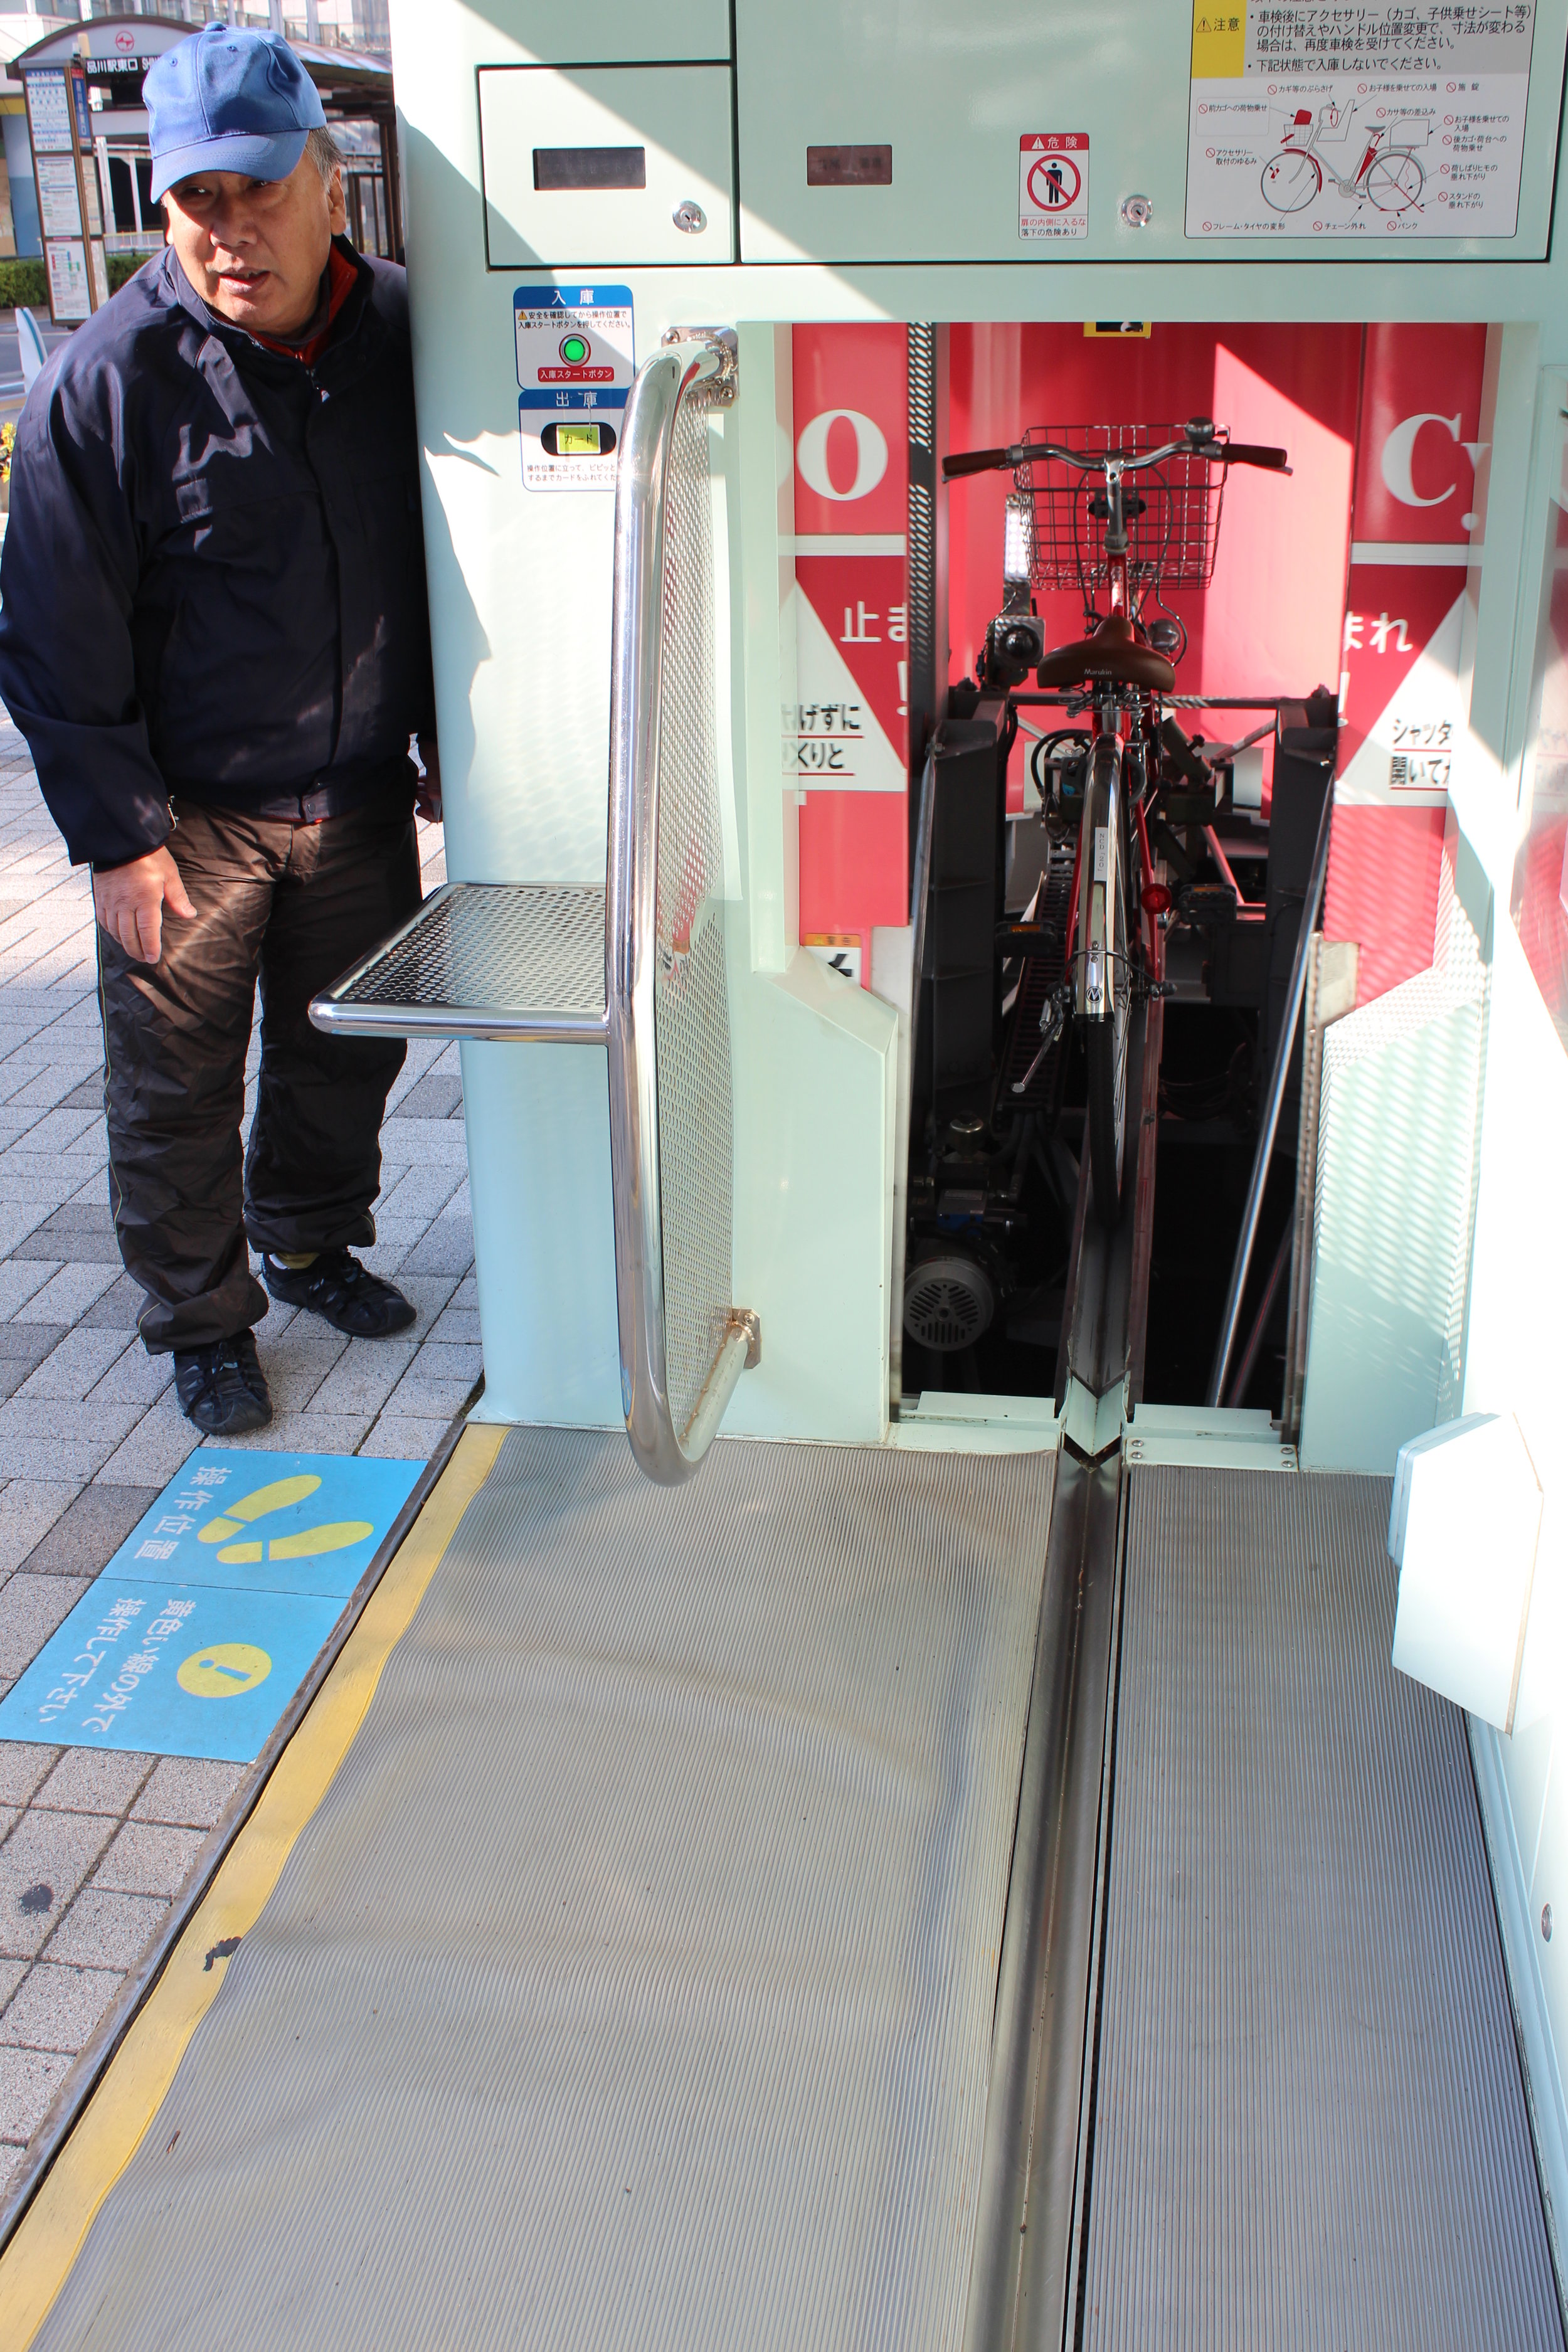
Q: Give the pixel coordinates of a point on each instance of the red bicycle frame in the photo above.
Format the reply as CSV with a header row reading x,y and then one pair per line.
x,y
1116,586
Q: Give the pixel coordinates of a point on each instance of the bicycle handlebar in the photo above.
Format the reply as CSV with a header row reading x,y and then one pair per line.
x,y
999,461
979,461
1245,453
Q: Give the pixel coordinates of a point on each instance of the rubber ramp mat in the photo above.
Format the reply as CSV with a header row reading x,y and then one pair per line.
x,y
1309,2130
631,1985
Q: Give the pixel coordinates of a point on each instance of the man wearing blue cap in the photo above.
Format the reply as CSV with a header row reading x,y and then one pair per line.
x,y
215,639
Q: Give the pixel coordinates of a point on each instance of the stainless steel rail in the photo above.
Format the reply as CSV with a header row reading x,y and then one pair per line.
x,y
1033,2175
1276,1096
668,1433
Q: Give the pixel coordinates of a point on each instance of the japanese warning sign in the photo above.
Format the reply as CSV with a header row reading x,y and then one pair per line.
x,y
1401,693
1377,121
851,615
852,662
1053,184
574,368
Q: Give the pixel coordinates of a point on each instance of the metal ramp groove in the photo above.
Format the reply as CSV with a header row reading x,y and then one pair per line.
x,y
1310,2129
632,1983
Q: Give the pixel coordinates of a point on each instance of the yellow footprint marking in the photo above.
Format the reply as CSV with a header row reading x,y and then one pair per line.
x,y
309,1543
274,1497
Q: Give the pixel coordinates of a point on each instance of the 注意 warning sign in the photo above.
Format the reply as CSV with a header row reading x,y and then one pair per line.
x,y
1371,121
1053,184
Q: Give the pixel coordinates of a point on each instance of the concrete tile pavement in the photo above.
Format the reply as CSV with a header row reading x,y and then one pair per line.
x,y
94,1846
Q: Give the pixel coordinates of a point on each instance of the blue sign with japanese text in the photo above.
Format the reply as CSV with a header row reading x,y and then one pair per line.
x,y
207,1619
575,362
282,1522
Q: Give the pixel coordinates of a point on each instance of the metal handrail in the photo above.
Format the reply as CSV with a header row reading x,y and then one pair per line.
x,y
667,1454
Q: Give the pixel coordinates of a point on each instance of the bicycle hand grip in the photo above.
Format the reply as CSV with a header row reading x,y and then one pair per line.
x,y
977,461
1243,453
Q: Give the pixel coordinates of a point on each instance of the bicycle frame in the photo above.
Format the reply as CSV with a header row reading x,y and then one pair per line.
x,y
1118,677
1350,185
1122,709
1093,993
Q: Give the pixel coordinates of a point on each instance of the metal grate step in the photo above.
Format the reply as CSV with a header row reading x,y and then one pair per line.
x,y
506,960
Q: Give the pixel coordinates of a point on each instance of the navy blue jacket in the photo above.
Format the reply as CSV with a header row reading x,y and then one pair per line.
x,y
213,573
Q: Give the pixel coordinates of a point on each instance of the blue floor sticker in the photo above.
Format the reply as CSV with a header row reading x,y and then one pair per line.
x,y
172,1670
210,1615
282,1522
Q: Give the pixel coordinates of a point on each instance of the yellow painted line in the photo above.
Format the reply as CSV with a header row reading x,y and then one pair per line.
x,y
36,2262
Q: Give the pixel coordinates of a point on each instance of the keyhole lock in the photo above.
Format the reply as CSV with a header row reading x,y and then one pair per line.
x,y
1137,211
690,217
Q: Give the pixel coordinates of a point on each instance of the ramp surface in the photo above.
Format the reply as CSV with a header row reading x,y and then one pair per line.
x,y
1309,2128
631,1985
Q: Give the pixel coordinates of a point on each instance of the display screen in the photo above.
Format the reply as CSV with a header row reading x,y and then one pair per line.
x,y
576,440
848,167
590,167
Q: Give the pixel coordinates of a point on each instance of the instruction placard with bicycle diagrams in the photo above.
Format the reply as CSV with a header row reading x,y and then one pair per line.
x,y
1395,118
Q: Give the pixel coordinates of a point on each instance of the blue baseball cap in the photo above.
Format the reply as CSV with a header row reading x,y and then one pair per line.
x,y
228,101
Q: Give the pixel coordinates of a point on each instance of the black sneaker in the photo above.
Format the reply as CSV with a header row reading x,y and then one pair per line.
x,y
223,1388
337,1287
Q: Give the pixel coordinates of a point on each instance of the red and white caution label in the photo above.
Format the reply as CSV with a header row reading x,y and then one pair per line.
x,y
1053,184
852,649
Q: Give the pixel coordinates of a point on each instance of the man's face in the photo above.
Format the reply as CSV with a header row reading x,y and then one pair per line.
x,y
255,249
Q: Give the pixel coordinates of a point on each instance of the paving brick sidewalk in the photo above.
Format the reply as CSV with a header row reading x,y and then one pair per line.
x,y
94,1846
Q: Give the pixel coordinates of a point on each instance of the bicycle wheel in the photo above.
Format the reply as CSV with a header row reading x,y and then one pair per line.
x,y
1291,183
1394,182
1108,933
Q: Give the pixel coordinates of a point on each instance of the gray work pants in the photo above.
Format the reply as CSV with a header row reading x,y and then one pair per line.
x,y
290,906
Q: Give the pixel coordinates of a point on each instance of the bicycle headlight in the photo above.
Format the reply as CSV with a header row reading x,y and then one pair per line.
x,y
1019,540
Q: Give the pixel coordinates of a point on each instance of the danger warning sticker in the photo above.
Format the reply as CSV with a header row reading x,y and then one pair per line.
x,y
1053,184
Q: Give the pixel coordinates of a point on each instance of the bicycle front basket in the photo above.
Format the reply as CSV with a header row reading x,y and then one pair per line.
x,y
1171,541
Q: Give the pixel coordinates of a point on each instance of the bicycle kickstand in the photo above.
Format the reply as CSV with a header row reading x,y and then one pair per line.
x,y
1053,1020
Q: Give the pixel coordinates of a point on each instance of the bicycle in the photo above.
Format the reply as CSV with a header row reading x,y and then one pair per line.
x,y
1117,675
1393,177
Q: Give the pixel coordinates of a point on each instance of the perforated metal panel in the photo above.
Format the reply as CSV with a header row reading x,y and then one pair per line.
x,y
692,1011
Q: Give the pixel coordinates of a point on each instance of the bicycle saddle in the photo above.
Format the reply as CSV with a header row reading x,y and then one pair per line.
x,y
1114,655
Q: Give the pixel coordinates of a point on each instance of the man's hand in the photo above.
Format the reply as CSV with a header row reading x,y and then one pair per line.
x,y
130,901
427,790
